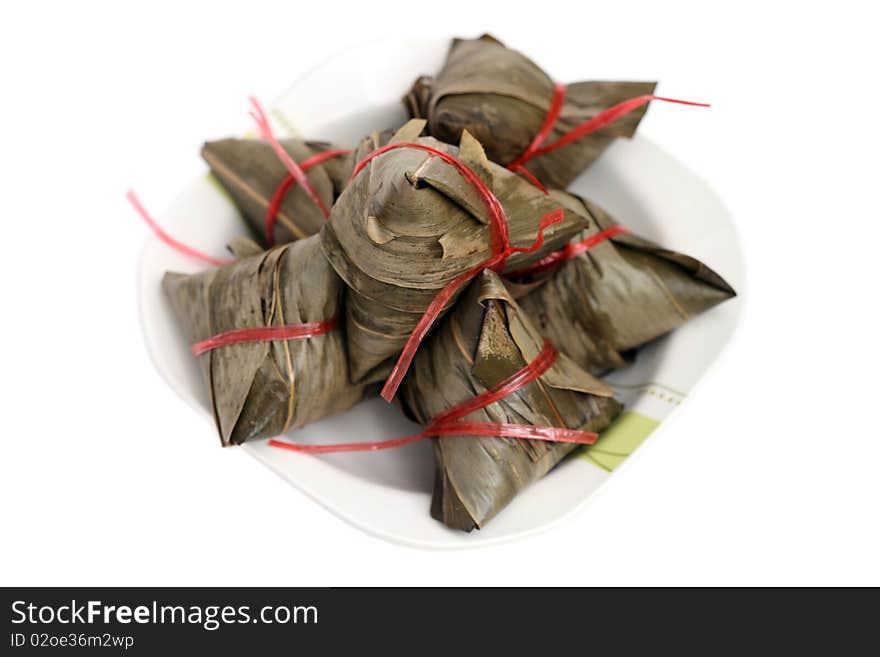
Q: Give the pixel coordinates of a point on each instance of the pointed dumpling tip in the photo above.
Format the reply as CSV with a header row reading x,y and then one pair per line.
x,y
409,131
471,152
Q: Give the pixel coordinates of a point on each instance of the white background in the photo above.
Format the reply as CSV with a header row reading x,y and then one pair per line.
x,y
768,475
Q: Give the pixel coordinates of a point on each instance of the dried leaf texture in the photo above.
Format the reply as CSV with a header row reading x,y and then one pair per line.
x,y
622,293
251,172
409,224
482,341
501,97
263,389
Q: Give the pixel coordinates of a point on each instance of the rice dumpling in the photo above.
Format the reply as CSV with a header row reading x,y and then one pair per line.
x,y
483,340
252,173
263,388
503,98
409,224
619,294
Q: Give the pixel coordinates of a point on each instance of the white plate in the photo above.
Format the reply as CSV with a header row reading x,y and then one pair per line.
x,y
388,493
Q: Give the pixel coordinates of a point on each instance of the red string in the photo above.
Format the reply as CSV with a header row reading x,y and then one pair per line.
x,y
447,424
525,173
258,114
501,250
570,251
288,182
573,250
542,362
546,128
165,237
599,121
491,429
497,217
347,447
518,431
265,334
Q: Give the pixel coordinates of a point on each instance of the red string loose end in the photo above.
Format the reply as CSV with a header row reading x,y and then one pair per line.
x,y
264,128
602,119
178,246
607,116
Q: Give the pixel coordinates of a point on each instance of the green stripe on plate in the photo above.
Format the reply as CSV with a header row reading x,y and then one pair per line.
x,y
619,440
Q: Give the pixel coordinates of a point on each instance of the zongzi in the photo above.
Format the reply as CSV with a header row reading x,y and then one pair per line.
x,y
411,223
260,386
621,292
485,339
504,99
277,209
